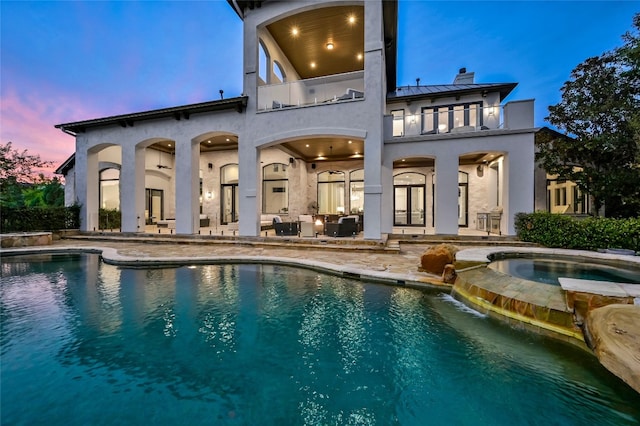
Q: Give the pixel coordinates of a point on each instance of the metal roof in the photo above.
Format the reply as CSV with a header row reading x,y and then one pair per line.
x,y
441,90
178,113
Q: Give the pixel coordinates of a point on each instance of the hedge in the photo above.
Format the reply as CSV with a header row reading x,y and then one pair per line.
x,y
556,230
27,219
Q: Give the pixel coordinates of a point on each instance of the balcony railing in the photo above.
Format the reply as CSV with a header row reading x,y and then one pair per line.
x,y
473,119
312,91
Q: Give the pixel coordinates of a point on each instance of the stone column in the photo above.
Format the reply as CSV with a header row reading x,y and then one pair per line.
x,y
446,194
187,187
132,184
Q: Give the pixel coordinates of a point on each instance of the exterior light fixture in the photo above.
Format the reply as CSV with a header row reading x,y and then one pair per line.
x,y
209,195
330,45
307,145
294,31
352,19
359,56
313,64
350,141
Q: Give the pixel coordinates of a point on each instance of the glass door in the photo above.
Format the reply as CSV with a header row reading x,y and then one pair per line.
x,y
154,210
417,201
409,203
230,204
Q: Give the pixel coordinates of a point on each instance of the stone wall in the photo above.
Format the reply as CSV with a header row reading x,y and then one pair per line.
x,y
26,239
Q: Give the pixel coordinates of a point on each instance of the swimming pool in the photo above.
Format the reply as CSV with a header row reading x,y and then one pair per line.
x,y
88,343
547,271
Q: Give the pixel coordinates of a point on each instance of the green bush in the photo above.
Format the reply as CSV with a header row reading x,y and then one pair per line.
x,y
110,219
555,230
27,219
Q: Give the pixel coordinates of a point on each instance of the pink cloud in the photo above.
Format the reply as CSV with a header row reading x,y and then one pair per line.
x,y
28,119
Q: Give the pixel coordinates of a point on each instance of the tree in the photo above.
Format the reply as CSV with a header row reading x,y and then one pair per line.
x,y
599,110
20,184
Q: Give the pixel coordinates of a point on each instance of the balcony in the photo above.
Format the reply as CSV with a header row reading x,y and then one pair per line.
x,y
460,119
313,91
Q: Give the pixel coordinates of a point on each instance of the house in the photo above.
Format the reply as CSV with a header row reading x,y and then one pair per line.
x,y
321,123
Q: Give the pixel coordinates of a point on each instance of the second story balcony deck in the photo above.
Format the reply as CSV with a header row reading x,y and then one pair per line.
x,y
460,119
313,91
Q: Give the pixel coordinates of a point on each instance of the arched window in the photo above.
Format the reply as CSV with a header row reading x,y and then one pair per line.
x,y
278,72
356,191
263,63
331,192
110,189
275,188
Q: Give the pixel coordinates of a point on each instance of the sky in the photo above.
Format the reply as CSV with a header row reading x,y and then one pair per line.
x,y
66,61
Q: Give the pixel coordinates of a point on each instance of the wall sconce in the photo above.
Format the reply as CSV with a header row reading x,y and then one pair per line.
x,y
412,119
209,195
210,165
491,112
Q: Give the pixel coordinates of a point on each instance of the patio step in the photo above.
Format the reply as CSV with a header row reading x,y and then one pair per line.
x,y
461,240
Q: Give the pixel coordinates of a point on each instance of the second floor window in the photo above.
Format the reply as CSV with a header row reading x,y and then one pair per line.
x,y
446,118
398,122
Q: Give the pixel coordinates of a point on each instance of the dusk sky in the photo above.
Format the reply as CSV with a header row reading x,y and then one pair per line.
x,y
75,60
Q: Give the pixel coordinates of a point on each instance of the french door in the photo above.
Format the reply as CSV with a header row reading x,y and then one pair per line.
x,y
409,205
230,204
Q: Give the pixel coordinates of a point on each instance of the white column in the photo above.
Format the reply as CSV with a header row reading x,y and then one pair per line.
x,y
446,194
87,186
132,175
249,225
387,198
187,187
518,187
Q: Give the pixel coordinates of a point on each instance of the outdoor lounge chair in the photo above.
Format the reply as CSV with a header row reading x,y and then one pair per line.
x,y
345,227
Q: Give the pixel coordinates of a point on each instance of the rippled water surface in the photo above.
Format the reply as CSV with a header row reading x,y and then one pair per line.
x,y
547,271
88,343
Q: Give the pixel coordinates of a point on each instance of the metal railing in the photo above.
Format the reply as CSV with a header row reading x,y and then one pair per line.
x,y
312,91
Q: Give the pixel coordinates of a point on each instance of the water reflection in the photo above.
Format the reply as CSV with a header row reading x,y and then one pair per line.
x,y
258,344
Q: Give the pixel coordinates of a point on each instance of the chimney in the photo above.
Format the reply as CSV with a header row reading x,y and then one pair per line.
x,y
463,77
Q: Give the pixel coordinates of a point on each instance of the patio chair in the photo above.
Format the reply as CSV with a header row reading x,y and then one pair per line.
x,y
345,227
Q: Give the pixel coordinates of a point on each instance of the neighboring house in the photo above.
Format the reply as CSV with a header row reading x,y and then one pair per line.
x,y
321,123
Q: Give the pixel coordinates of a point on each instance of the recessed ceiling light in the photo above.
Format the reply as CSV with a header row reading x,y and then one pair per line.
x,y
352,19
350,141
330,45
359,56
169,145
208,141
227,139
403,159
307,145
294,31
313,64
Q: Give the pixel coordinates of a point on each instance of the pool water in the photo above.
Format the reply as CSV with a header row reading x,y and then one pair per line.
x,y
88,343
548,271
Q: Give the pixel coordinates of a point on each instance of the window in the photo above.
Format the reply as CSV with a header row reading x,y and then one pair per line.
x,y
275,188
442,119
263,63
229,197
398,122
331,192
356,191
110,189
278,72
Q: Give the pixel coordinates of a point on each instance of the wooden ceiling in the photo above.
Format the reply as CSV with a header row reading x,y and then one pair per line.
x,y
341,25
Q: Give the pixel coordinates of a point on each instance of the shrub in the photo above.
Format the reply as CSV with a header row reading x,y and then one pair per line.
x,y
555,230
25,219
110,219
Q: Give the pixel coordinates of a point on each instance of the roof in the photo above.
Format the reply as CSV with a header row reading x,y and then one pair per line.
x,y
68,164
441,90
178,113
